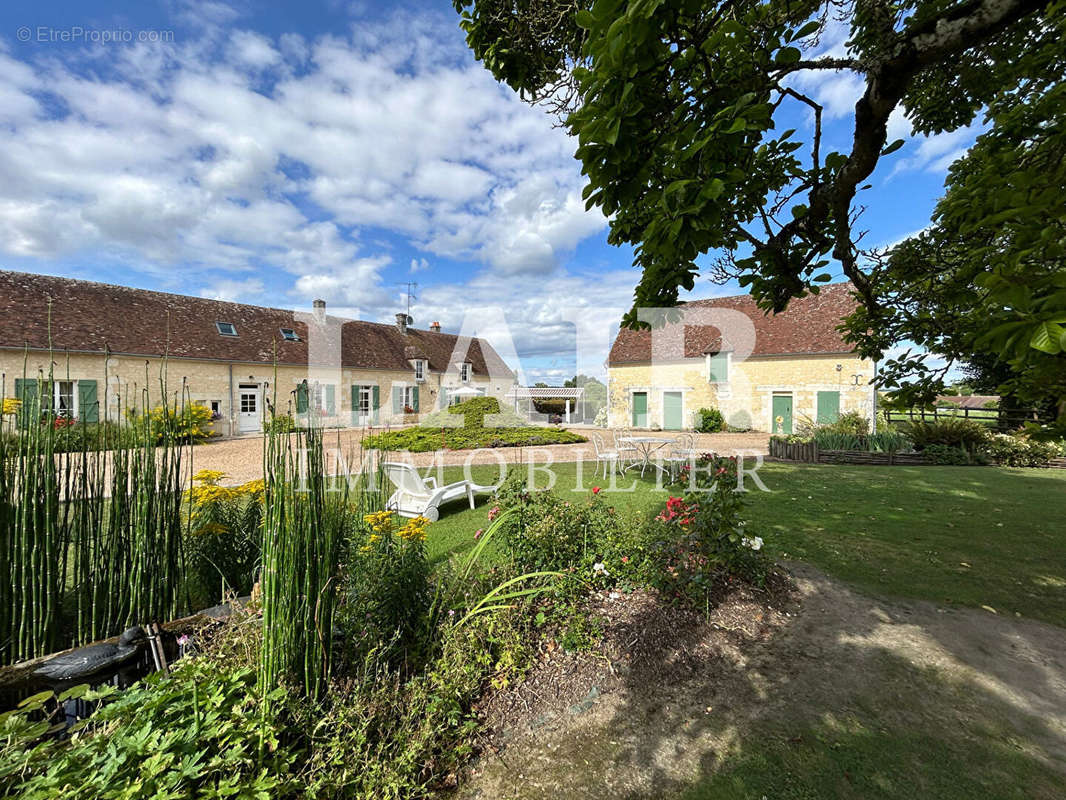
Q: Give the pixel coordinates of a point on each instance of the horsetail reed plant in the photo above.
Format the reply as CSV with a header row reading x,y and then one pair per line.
x,y
303,529
90,539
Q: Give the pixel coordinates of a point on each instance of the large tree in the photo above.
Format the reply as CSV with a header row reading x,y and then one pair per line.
x,y
985,284
678,107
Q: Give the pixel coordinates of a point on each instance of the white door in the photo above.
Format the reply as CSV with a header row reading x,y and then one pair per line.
x,y
249,413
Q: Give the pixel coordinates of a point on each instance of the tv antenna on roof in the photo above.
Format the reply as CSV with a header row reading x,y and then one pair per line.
x,y
411,285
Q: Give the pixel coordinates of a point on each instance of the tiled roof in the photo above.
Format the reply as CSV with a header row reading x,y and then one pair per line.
x,y
807,327
967,400
94,317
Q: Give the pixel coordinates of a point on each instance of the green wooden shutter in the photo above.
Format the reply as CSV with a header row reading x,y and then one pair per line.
x,y
443,398
26,391
719,369
375,403
828,407
414,399
301,397
397,400
331,399
355,405
88,403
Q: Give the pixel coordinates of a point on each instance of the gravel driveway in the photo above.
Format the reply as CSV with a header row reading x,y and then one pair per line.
x,y
242,458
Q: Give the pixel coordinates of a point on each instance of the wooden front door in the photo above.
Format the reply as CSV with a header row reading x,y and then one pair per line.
x,y
782,413
672,413
640,409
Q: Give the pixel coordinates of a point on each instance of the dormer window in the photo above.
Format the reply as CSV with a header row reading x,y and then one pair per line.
x,y
289,335
226,328
464,371
420,369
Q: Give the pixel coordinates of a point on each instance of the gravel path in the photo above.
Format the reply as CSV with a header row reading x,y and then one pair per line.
x,y
242,458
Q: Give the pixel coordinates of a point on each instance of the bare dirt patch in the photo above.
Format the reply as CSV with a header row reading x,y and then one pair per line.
x,y
669,696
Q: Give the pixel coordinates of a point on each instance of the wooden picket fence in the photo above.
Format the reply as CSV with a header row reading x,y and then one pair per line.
x,y
809,453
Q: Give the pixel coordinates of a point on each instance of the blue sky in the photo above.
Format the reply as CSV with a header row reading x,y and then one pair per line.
x,y
280,152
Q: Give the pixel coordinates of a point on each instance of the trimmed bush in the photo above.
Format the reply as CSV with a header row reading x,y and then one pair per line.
x,y
424,440
709,420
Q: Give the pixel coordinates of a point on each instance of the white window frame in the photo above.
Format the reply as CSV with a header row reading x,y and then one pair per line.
x,y
464,372
289,334
407,399
218,327
73,398
420,369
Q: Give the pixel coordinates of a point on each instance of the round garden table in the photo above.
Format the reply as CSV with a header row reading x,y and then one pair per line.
x,y
646,447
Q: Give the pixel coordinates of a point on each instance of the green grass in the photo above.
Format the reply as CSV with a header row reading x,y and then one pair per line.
x,y
968,536
913,733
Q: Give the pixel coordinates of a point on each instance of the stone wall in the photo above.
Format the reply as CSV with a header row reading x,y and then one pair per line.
x,y
136,381
746,401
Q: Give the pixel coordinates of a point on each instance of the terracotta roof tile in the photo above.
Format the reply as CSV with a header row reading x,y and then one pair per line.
x,y
807,327
94,317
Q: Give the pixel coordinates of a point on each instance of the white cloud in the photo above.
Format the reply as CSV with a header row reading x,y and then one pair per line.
x,y
245,291
419,265
177,154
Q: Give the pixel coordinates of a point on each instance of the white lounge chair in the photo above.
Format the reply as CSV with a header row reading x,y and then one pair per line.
x,y
416,496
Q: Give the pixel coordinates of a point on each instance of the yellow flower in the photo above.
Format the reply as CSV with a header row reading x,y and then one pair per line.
x,y
380,521
414,530
211,528
209,476
257,486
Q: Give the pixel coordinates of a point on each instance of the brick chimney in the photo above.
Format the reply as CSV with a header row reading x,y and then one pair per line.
x,y
401,322
435,327
319,307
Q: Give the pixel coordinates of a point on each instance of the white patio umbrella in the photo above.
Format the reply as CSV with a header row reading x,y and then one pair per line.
x,y
466,391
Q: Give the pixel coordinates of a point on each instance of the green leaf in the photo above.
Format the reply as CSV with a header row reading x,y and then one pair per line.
x,y
612,134
74,692
584,19
714,189
1047,338
738,125
892,148
788,55
36,699
807,29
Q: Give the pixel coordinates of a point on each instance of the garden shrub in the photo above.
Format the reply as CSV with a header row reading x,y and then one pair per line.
x,y
387,592
851,423
279,423
1019,451
948,455
709,420
585,537
600,420
189,423
700,537
474,410
955,432
423,439
223,542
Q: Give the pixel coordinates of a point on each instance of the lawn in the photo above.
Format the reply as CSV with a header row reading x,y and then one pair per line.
x,y
966,536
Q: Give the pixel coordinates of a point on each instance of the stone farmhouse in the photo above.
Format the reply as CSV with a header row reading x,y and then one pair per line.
x,y
113,347
763,372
